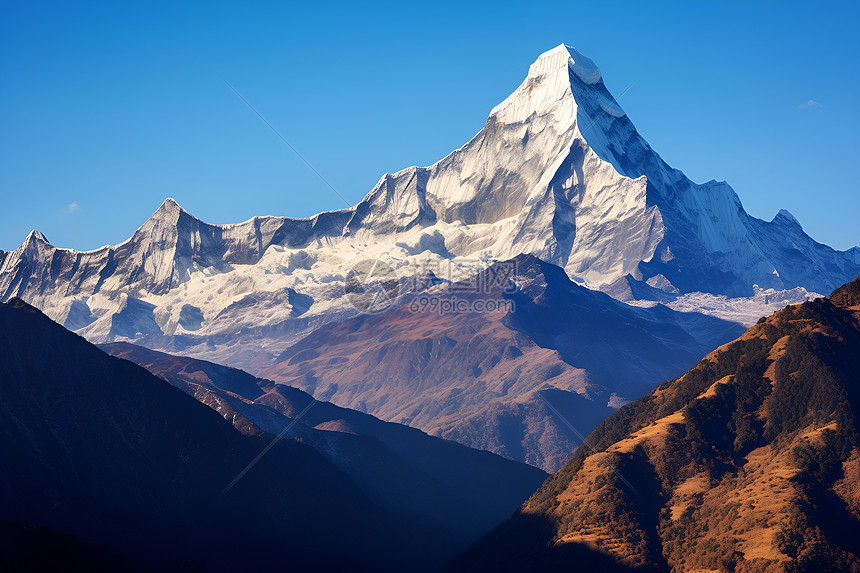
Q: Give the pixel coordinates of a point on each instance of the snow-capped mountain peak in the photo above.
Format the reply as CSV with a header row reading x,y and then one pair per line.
x,y
786,215
563,55
547,87
36,237
169,207
168,213
558,171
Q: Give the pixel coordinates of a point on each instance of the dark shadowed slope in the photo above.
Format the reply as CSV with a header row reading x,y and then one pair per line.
x,y
38,549
749,462
98,448
491,380
461,491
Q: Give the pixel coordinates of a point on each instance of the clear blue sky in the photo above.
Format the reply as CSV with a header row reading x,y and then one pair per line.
x,y
108,108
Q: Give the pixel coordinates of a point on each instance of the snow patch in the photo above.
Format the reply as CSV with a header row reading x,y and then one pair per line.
x,y
660,282
610,106
783,213
584,68
744,310
596,202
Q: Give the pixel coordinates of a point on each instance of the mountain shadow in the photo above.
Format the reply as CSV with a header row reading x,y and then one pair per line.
x,y
463,492
748,462
98,449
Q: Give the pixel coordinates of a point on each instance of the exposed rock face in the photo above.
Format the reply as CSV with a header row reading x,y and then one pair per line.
x,y
526,381
749,462
558,171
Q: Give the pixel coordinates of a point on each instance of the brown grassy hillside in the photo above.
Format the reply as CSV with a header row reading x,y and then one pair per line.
x,y
749,462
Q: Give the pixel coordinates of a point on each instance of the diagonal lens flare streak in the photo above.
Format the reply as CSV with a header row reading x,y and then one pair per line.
x,y
293,422
265,450
583,440
614,100
296,151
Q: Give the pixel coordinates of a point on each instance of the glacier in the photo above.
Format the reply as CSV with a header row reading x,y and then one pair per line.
x,y
558,171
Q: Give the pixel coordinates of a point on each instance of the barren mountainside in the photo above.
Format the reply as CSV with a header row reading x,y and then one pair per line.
x,y
748,462
500,380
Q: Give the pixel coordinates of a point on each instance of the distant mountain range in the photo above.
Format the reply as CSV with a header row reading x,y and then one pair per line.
x,y
528,381
558,171
102,452
748,462
529,289
400,468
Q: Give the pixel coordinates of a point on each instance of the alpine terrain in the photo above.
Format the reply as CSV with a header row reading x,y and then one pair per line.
x,y
382,387
400,468
558,171
115,468
527,381
748,462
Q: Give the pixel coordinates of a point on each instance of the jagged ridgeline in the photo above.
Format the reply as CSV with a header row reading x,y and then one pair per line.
x,y
526,383
558,171
749,462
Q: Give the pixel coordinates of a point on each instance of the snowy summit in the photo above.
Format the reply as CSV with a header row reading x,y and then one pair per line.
x,y
558,171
